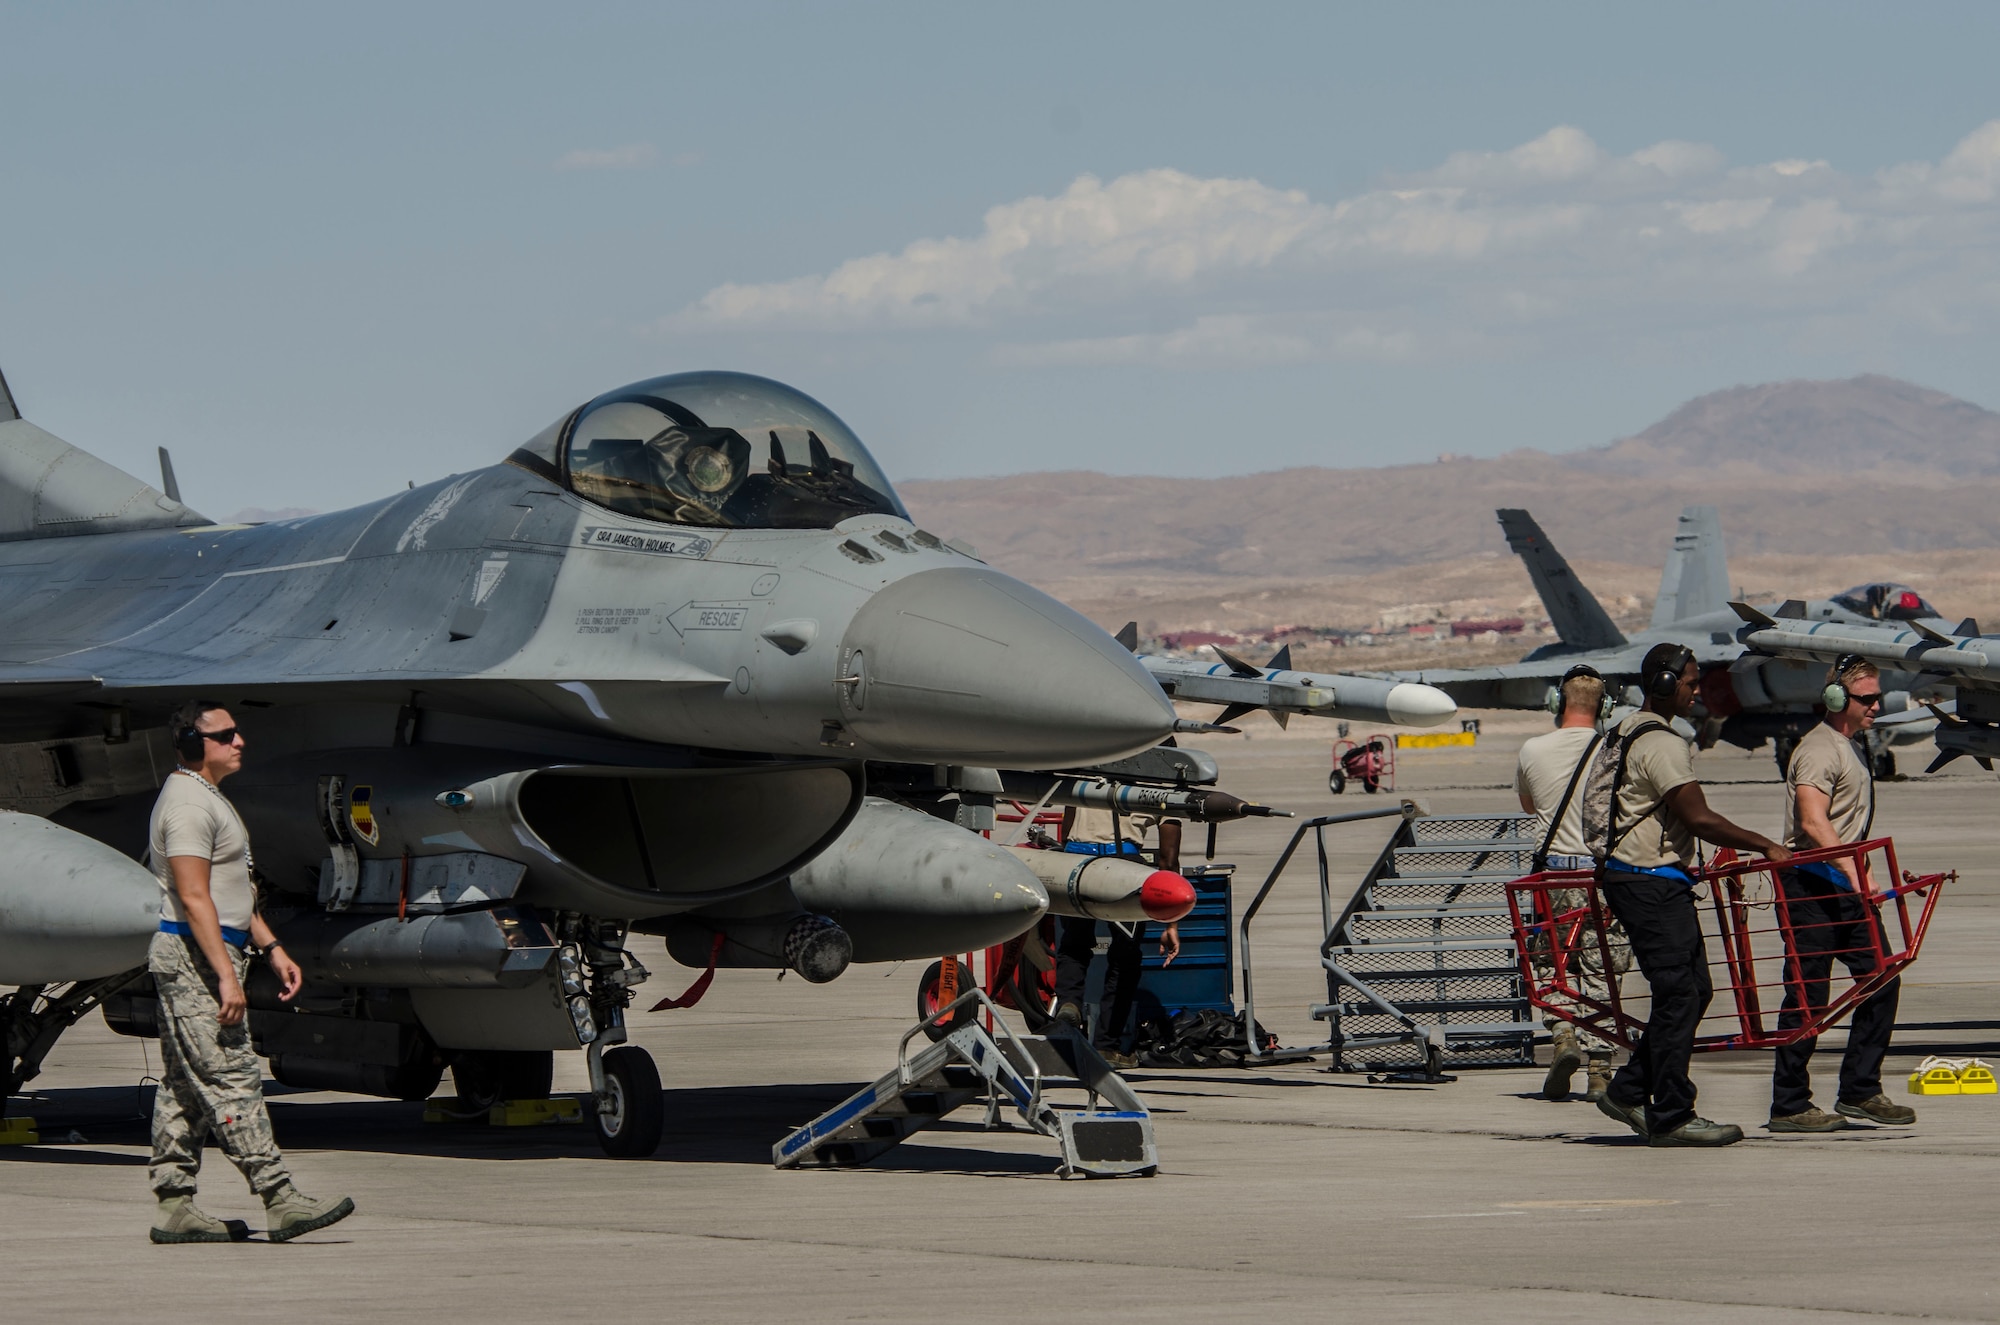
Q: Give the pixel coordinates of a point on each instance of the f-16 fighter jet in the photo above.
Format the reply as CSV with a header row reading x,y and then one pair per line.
x,y
1744,702
627,681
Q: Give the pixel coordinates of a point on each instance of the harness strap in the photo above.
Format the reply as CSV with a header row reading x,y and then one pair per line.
x,y
1540,860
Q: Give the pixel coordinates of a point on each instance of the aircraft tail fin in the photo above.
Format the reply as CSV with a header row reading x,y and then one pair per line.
x,y
1695,580
49,488
1580,620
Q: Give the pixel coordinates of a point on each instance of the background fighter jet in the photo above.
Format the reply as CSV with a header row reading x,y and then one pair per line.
x,y
629,680
1962,658
1744,701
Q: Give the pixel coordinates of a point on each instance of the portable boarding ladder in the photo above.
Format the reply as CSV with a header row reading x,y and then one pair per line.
x,y
971,1063
1420,963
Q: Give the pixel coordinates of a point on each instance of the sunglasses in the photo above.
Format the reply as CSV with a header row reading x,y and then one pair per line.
x,y
228,735
1866,701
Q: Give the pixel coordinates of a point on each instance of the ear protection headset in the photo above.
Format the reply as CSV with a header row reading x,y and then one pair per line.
x,y
1835,694
1557,702
188,743
1662,682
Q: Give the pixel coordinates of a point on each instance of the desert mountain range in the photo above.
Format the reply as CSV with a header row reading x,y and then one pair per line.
x,y
1821,484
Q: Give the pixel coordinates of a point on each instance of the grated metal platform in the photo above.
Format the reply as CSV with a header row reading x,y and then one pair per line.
x,y
1421,966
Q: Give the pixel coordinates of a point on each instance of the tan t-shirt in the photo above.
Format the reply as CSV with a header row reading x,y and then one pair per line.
x,y
1547,764
1657,763
1827,760
193,818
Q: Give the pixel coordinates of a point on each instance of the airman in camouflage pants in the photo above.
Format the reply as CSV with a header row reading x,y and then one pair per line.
x,y
211,1082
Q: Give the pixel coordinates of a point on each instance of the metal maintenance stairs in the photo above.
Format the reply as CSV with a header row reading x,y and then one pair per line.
x,y
1421,966
970,1064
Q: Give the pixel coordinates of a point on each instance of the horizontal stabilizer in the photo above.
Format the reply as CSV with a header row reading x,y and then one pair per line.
x,y
1580,620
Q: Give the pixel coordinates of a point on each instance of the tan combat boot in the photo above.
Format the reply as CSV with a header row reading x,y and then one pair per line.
x,y
1564,1060
292,1213
1600,1076
179,1220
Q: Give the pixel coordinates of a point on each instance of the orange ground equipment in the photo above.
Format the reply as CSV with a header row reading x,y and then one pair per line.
x,y
1751,934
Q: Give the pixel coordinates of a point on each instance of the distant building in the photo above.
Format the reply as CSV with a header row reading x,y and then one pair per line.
x,y
1512,625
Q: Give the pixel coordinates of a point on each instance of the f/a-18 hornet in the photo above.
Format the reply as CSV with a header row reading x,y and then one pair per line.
x,y
1745,699
630,680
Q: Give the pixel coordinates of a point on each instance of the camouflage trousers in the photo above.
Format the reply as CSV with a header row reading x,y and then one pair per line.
x,y
210,1081
1584,967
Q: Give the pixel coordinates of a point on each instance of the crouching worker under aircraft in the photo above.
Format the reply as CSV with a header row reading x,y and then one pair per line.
x,y
210,1081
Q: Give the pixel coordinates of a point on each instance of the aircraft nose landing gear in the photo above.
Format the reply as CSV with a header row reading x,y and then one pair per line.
x,y
625,1093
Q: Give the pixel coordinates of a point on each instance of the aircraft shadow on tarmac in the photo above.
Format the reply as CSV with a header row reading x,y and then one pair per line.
x,y
708,1125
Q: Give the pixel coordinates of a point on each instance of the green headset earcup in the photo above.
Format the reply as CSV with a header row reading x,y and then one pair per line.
x,y
1834,697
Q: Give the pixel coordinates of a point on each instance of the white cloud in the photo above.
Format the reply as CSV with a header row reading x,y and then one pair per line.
x,y
632,156
1556,233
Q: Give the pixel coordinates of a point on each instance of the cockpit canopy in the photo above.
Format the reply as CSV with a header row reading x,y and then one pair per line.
x,y
715,449
1886,602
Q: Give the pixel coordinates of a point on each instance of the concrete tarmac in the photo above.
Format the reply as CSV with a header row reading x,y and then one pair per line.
x,y
1290,1189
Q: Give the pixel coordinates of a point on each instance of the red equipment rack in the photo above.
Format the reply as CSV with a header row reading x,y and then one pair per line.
x,y
1754,970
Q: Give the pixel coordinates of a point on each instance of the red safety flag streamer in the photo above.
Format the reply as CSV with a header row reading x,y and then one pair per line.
x,y
700,985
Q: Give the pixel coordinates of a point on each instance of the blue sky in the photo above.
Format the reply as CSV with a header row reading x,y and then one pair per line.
x,y
320,253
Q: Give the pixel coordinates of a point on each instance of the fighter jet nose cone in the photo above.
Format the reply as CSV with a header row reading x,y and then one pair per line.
x,y
967,665
1166,896
1412,705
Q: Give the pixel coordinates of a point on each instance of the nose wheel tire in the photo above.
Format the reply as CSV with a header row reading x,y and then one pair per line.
x,y
630,1121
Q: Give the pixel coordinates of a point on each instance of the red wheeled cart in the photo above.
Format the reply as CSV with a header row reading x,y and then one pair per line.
x,y
1370,761
1558,915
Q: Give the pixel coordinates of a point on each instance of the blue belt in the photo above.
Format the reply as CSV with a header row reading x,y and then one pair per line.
x,y
235,938
1673,873
1828,873
1102,848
